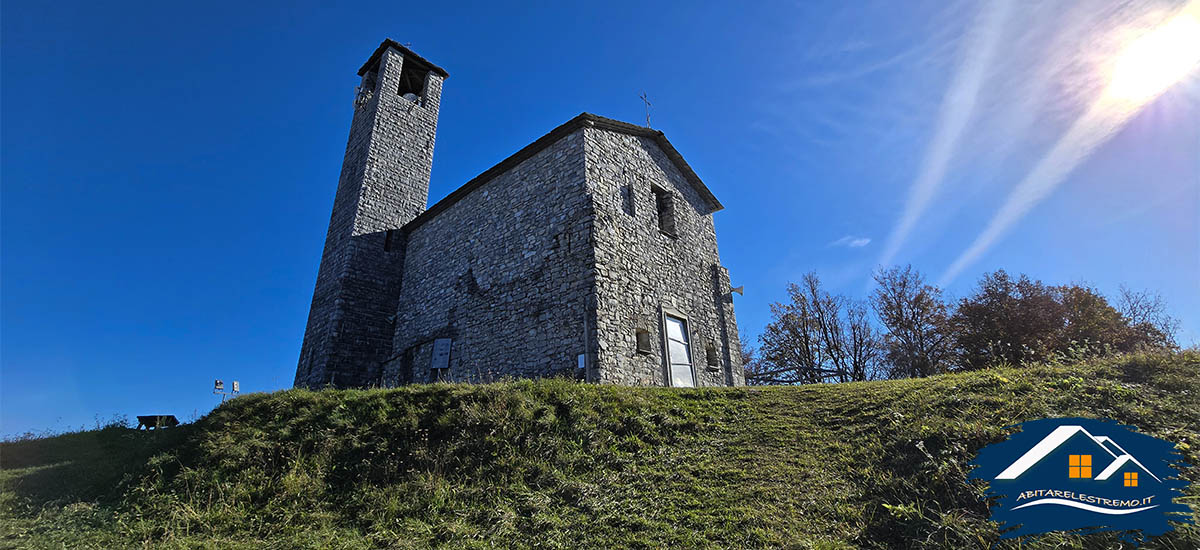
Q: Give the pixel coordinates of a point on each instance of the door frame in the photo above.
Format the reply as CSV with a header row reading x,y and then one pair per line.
x,y
664,312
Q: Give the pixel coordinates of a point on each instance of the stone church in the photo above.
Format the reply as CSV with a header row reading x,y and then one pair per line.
x,y
589,253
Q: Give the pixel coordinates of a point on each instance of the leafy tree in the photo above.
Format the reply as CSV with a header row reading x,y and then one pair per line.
x,y
919,338
1021,320
1007,320
1090,324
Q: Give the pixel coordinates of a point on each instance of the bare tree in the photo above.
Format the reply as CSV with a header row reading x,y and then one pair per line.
x,y
751,364
816,337
865,344
749,353
920,337
790,344
1146,312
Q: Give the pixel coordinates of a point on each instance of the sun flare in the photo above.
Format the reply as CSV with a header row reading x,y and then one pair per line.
x,y
1156,60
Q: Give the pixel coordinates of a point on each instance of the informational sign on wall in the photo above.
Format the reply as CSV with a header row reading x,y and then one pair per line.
x,y
441,353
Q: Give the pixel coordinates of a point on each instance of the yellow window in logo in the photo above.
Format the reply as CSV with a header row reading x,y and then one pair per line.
x,y
1131,479
1080,467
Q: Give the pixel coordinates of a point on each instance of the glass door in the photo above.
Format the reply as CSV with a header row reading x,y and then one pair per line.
x,y
679,354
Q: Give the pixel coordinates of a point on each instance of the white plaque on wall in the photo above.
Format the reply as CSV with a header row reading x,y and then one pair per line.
x,y
441,353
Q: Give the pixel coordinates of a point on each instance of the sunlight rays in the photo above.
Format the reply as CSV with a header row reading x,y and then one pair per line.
x,y
1154,62
1145,69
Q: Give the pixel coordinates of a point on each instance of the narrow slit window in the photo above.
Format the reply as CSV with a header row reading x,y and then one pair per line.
x,y
665,209
627,200
388,239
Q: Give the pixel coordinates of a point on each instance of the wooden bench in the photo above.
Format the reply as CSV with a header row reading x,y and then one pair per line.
x,y
157,421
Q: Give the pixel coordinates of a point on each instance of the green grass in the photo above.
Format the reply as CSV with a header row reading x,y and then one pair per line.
x,y
554,464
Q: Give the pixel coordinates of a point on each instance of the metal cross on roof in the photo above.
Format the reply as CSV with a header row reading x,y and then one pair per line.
x,y
646,100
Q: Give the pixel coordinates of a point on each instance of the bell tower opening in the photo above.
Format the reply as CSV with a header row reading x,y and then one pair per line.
x,y
412,81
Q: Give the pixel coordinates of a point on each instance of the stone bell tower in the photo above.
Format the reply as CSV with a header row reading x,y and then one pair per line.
x,y
384,184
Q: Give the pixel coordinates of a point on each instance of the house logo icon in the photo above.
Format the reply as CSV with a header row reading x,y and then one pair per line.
x,y
1084,475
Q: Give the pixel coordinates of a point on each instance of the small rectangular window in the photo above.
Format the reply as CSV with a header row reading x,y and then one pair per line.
x,y
665,209
1131,479
710,356
643,341
387,240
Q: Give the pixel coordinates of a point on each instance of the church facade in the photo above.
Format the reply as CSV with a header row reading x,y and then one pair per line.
x,y
590,253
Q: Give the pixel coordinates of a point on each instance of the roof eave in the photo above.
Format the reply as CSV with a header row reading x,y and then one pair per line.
x,y
407,53
563,130
664,144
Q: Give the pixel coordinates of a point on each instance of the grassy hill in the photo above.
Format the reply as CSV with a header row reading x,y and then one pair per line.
x,y
555,464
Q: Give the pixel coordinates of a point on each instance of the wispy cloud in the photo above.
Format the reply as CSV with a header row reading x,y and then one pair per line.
x,y
828,78
850,241
957,106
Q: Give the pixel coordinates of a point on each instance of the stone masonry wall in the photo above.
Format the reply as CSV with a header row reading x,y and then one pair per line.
x,y
505,272
383,185
642,272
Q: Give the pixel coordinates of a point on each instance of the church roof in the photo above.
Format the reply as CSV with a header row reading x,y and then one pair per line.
x,y
584,119
407,53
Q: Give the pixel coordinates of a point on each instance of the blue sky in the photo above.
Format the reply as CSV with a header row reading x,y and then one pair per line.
x,y
168,169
